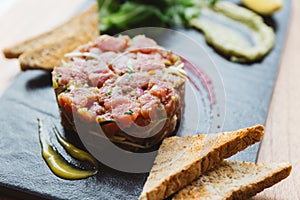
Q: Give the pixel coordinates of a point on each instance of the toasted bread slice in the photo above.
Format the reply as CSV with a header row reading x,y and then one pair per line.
x,y
46,50
182,160
234,180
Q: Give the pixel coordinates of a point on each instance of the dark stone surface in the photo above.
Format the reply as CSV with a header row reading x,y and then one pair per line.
x,y
248,90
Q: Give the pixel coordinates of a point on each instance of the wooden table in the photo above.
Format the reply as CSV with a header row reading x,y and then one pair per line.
x,y
21,19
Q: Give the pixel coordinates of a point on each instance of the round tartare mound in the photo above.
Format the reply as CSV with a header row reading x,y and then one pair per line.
x,y
131,89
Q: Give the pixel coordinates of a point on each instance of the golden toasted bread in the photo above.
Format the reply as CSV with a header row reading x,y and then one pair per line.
x,y
234,180
46,50
182,160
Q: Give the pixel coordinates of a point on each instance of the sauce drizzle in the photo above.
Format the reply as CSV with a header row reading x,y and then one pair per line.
x,y
74,151
57,164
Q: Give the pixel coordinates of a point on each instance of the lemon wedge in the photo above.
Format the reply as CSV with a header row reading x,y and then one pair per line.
x,y
264,7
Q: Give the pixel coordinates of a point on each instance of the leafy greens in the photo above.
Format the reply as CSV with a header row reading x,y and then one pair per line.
x,y
118,15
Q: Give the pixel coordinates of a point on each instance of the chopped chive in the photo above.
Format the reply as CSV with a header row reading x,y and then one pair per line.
x,y
109,92
129,70
129,67
129,112
67,90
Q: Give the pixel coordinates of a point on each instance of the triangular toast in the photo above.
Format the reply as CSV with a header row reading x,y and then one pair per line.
x,y
48,49
182,160
234,180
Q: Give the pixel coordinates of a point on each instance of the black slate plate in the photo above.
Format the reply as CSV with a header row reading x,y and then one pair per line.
x,y
248,91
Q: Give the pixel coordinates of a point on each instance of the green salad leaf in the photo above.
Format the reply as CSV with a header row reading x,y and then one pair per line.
x,y
120,15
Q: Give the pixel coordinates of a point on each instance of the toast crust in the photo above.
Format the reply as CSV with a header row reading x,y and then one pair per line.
x,y
47,50
182,160
251,190
234,180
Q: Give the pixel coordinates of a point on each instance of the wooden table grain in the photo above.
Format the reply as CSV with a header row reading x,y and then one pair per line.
x,y
282,139
26,18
